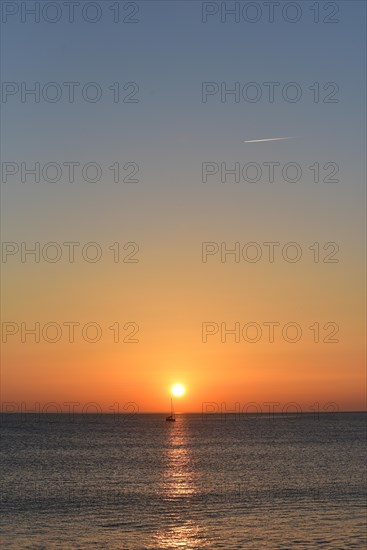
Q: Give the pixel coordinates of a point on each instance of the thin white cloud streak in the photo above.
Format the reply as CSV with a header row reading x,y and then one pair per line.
x,y
267,139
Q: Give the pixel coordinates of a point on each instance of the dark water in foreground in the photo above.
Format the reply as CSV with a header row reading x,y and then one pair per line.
x,y
143,483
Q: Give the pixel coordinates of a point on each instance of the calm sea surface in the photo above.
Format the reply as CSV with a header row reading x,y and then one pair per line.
x,y
143,483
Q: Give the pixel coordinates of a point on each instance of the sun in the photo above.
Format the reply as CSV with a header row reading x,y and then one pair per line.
x,y
177,390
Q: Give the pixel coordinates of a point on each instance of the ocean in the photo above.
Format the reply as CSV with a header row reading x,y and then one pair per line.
x,y
138,482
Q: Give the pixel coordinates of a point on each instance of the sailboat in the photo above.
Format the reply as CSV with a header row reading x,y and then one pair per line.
x,y
171,417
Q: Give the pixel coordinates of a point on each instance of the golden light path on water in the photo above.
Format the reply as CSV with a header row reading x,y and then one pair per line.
x,y
179,483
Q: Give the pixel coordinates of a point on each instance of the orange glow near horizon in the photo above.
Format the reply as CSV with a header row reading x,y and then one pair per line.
x,y
171,348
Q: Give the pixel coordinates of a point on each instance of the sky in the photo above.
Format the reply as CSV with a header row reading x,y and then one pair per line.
x,y
164,118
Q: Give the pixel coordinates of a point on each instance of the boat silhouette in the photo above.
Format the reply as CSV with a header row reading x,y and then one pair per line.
x,y
172,416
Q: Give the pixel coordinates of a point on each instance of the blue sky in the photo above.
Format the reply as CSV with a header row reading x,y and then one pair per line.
x,y
170,132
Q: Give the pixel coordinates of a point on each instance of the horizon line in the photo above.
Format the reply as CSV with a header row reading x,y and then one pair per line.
x,y
273,413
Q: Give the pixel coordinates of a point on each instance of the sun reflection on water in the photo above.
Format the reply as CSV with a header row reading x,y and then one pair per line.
x,y
178,478
178,490
180,536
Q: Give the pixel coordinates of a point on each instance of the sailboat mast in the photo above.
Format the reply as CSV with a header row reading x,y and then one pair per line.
x,y
172,417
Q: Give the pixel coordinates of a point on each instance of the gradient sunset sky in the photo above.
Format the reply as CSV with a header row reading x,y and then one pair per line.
x,y
169,133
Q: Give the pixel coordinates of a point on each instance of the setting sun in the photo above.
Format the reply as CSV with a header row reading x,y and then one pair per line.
x,y
177,390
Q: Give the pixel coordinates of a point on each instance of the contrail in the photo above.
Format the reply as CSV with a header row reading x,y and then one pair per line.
x,y
267,139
